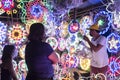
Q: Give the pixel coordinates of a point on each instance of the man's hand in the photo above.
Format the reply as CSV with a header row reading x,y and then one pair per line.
x,y
86,38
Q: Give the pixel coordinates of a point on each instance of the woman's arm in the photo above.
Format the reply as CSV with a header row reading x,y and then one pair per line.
x,y
54,58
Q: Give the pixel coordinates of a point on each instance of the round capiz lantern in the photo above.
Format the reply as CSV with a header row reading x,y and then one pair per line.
x,y
73,26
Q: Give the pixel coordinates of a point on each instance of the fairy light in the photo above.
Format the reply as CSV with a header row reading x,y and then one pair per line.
x,y
14,11
50,29
9,12
85,23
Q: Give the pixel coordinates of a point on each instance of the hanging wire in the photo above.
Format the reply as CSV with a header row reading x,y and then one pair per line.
x,y
74,14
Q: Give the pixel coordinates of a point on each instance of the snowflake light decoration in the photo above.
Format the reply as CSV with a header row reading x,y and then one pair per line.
x,y
3,32
114,66
7,4
72,43
63,29
50,29
53,42
35,10
61,44
116,21
70,61
85,23
17,34
113,42
74,26
103,19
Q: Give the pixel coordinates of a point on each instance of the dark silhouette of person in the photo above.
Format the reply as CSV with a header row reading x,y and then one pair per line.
x,y
39,55
7,70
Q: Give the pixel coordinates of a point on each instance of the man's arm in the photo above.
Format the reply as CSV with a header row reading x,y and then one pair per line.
x,y
93,47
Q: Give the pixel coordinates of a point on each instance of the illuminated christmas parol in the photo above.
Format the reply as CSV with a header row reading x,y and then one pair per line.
x,y
3,32
116,21
17,34
114,66
113,42
73,26
61,44
84,63
69,61
63,29
7,4
35,10
50,29
53,42
103,19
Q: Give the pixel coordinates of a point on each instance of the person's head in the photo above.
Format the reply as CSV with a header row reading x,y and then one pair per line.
x,y
37,31
8,51
94,30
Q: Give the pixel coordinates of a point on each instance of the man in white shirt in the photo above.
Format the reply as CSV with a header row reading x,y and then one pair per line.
x,y
99,61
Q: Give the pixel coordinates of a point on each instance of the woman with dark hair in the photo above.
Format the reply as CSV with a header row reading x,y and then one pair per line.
x,y
39,55
7,70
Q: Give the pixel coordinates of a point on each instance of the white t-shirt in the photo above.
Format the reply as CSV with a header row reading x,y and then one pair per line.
x,y
100,58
